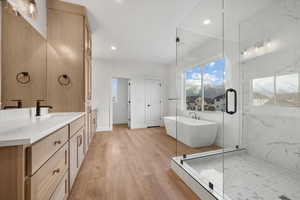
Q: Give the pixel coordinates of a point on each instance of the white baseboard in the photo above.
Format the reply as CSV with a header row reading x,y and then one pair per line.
x,y
101,129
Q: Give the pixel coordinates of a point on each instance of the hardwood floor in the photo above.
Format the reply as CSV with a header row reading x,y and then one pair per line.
x,y
131,165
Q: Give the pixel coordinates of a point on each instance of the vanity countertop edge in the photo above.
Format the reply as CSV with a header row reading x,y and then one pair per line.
x,y
32,131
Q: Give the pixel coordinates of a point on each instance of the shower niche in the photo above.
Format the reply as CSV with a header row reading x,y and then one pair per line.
x,y
238,65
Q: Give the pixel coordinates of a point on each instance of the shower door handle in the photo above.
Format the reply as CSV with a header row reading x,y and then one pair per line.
x,y
231,90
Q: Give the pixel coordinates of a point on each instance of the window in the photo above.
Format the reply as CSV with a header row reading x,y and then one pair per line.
x,y
204,87
193,89
214,89
280,90
263,91
114,84
287,90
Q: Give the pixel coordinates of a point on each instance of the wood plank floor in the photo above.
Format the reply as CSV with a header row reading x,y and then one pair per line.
x,y
131,165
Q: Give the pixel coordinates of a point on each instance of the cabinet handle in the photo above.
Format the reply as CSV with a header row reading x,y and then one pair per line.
x,y
64,80
66,157
23,77
80,140
56,171
57,142
66,186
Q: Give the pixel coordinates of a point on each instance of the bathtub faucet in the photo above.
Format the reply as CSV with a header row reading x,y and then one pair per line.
x,y
193,115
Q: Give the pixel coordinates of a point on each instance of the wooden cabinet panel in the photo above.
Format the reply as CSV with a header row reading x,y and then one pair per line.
x,y
76,154
44,182
23,50
42,150
80,149
65,56
12,174
76,125
94,123
62,190
73,160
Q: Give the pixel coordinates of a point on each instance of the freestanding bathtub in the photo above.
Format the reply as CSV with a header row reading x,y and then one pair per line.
x,y
192,132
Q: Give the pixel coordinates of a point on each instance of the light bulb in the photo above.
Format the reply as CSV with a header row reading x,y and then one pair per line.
x,y
207,22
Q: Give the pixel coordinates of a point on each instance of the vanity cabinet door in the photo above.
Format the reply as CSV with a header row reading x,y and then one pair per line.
x,y
76,154
65,61
73,160
62,190
80,149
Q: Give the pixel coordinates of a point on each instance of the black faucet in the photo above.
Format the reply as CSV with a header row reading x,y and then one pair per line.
x,y
19,105
38,108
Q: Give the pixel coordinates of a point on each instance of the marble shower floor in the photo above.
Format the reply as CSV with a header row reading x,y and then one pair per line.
x,y
246,177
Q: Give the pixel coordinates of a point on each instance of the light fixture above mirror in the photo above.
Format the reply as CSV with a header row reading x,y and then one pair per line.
x,y
24,7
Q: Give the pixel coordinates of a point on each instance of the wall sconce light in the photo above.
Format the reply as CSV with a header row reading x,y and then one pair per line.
x,y
23,7
32,10
259,49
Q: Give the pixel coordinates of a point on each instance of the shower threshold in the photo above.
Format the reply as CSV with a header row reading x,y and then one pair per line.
x,y
236,175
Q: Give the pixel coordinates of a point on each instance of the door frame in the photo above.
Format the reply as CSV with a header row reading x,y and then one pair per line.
x,y
161,100
111,111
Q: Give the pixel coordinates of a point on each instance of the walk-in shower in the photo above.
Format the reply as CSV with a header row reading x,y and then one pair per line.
x,y
238,65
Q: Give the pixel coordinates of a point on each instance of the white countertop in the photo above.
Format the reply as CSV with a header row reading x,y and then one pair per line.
x,y
28,131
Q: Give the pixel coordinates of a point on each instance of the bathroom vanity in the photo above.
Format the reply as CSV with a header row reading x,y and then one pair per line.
x,y
41,156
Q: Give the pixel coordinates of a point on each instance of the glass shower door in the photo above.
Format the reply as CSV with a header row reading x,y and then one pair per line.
x,y
267,77
201,95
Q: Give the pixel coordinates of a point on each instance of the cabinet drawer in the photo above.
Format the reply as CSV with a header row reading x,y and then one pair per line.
x,y
76,125
44,182
62,190
42,150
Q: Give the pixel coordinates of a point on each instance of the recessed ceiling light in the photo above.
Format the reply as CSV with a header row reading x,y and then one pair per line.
x,y
119,1
207,22
114,48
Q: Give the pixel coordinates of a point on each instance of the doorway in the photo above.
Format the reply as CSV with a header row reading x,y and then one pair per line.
x,y
121,101
153,102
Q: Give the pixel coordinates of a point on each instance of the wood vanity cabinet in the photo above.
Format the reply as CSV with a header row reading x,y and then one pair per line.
x,y
68,57
23,60
46,169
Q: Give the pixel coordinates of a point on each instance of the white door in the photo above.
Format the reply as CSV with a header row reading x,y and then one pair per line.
x,y
153,102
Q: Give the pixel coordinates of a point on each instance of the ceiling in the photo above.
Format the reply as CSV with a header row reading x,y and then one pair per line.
x,y
145,30
141,30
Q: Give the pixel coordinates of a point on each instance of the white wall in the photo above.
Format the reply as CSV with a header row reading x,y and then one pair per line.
x,y
0,51
120,107
105,70
40,22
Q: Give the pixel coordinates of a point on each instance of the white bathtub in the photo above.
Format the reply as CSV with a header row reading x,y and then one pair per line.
x,y
192,132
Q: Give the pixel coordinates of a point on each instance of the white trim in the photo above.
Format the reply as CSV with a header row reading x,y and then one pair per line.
x,y
101,129
111,112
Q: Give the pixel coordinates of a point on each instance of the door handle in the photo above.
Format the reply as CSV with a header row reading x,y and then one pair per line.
x,y
235,101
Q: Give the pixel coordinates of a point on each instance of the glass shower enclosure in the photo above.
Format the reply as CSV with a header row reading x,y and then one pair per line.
x,y
238,100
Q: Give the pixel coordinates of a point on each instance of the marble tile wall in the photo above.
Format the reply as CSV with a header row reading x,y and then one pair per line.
x,y
272,131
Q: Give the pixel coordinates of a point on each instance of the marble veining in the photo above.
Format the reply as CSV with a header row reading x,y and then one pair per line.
x,y
274,138
247,178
